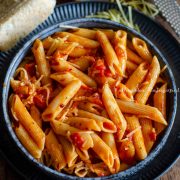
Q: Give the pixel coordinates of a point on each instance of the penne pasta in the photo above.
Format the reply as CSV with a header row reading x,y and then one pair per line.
x,y
90,107
60,101
121,91
42,64
80,101
83,123
160,103
64,78
130,45
110,55
65,66
80,51
141,110
142,49
79,138
103,150
149,133
27,141
120,40
80,169
108,138
55,150
99,168
127,151
91,34
150,80
137,78
133,57
85,42
83,62
69,151
36,115
137,137
130,67
23,116
105,124
114,111
83,154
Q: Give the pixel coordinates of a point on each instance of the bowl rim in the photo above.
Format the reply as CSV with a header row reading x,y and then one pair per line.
x,y
19,57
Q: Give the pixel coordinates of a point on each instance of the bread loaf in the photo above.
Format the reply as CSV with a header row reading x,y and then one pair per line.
x,y
19,17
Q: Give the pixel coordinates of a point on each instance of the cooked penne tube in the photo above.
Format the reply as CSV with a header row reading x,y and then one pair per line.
x,y
60,101
15,84
27,141
149,133
130,66
114,111
63,48
79,138
105,124
81,170
18,88
23,116
91,34
36,115
150,80
83,154
142,49
42,64
123,167
69,151
83,123
64,78
127,151
130,45
90,107
55,150
133,57
121,91
80,51
137,77
47,42
110,55
108,138
138,140
58,44
87,43
82,62
99,168
160,103
65,66
87,33
120,40
141,110
103,150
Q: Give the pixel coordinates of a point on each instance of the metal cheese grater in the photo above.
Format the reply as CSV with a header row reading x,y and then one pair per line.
x,y
171,11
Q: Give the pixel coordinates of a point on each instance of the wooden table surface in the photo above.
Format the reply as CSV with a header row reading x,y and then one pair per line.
x,y
7,173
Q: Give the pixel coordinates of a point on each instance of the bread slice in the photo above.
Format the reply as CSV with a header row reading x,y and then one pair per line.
x,y
19,17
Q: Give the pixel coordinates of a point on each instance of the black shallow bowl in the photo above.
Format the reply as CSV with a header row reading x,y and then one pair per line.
x,y
90,23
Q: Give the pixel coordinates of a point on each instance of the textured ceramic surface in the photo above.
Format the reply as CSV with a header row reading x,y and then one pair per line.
x,y
161,157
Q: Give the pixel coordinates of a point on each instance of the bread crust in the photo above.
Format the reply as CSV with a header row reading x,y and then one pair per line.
x,y
25,16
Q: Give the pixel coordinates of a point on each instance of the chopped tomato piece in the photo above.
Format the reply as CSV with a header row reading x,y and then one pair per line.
x,y
77,139
107,73
30,68
153,135
40,99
